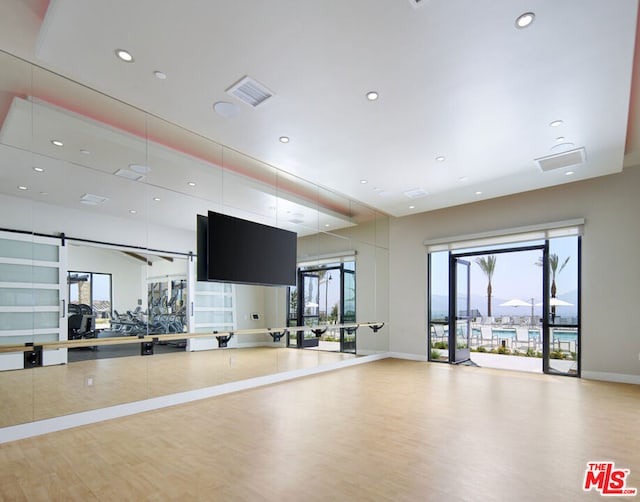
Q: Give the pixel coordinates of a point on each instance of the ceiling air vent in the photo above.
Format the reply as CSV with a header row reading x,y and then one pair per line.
x,y
562,160
130,175
415,193
93,200
250,91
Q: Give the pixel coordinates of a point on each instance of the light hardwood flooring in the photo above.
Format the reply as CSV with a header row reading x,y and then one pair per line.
x,y
386,430
52,391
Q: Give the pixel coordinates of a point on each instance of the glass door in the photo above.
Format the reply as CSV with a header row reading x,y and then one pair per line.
x,y
33,297
460,324
561,306
308,308
348,310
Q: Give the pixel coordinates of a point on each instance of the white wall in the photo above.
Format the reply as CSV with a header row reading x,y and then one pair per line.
x,y
127,274
610,265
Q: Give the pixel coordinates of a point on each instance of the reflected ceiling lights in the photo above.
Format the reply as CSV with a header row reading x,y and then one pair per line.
x,y
478,192
364,182
525,20
226,109
57,142
133,211
123,55
22,187
440,158
556,123
157,199
38,169
160,75
372,95
191,184
284,139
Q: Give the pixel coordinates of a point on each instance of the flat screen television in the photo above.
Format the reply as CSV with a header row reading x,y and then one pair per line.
x,y
234,250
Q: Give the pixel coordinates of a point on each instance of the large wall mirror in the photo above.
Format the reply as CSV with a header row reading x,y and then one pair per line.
x,y
98,234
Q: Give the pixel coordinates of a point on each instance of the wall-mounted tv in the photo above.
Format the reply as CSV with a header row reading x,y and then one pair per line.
x,y
234,250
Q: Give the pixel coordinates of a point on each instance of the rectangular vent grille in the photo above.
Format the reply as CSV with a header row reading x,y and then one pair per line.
x,y
415,193
93,200
250,91
561,160
130,175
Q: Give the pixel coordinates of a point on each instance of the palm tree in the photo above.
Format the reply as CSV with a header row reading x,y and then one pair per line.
x,y
554,260
488,266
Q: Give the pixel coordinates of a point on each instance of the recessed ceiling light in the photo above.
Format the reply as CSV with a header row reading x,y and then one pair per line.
x,y
556,123
569,173
85,152
327,225
133,211
22,187
364,182
412,207
440,158
372,95
38,169
284,139
525,20
226,109
560,139
478,192
157,199
160,75
124,55
57,142
191,184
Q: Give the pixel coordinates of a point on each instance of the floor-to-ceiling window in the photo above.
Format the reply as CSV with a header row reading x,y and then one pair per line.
x,y
511,306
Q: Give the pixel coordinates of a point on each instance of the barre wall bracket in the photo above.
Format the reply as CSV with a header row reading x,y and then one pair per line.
x,y
223,340
32,358
277,335
319,332
377,327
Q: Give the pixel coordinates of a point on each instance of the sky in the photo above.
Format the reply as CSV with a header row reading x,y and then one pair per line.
x,y
516,274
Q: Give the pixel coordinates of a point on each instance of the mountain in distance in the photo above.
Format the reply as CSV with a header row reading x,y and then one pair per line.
x,y
440,303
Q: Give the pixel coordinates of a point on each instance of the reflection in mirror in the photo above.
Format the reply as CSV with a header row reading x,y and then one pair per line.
x,y
105,232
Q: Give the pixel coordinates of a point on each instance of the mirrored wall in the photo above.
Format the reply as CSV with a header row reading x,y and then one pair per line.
x,y
98,239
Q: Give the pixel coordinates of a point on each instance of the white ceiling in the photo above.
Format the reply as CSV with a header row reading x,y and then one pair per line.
x,y
456,79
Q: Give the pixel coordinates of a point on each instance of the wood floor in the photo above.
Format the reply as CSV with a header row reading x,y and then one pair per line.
x,y
52,391
386,430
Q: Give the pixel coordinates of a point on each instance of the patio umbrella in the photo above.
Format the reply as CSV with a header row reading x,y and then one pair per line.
x,y
557,302
516,302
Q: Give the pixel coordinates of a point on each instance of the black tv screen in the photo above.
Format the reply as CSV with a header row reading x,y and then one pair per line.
x,y
244,252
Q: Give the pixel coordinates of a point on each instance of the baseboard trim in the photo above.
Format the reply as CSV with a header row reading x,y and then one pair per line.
x,y
408,357
611,377
31,429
